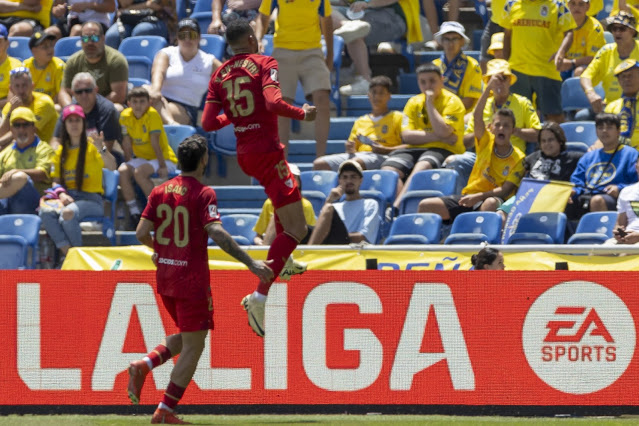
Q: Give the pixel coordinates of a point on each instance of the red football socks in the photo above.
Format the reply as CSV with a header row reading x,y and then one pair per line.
x,y
159,355
280,250
172,395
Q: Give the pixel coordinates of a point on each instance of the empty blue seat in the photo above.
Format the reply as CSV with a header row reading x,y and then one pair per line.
x,y
19,48
110,181
319,180
576,147
176,133
417,228
224,140
137,82
358,105
139,52
26,226
67,46
341,127
540,228
573,97
580,131
240,199
475,228
240,227
425,184
13,252
213,44
408,83
594,228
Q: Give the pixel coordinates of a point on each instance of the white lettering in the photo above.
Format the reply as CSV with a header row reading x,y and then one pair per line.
x,y
362,340
174,262
28,346
408,358
276,338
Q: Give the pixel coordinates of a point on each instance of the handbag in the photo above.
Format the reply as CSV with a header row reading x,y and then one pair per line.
x,y
134,17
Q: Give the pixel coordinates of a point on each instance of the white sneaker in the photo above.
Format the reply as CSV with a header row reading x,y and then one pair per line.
x,y
255,311
358,87
292,267
389,47
352,30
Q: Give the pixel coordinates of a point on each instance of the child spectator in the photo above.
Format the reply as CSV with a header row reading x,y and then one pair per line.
x,y
146,149
587,39
46,70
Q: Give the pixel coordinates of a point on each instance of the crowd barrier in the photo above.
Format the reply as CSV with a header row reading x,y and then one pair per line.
x,y
410,338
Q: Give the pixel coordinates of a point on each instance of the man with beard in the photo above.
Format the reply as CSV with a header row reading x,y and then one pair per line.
x,y
354,220
108,67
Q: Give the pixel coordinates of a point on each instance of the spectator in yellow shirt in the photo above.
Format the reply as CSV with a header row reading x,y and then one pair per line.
x,y
7,63
587,39
625,107
496,48
24,17
46,70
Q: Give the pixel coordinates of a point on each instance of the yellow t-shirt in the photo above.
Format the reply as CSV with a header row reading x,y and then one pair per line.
x,y
452,111
525,116
38,155
413,26
45,113
386,131
93,165
267,213
470,85
615,107
587,40
297,26
49,79
5,69
498,14
490,171
43,16
140,132
602,66
634,8
538,28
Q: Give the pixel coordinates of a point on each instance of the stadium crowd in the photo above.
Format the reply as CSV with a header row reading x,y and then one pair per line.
x,y
490,117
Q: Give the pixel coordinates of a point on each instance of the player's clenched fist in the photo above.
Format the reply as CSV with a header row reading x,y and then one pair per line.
x,y
309,112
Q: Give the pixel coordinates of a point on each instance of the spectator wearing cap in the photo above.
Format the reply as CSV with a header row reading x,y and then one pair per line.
x,y
526,130
108,67
587,39
77,181
46,70
354,220
24,166
461,73
133,20
625,107
537,32
102,116
24,17
496,48
71,14
23,95
7,63
180,76
623,28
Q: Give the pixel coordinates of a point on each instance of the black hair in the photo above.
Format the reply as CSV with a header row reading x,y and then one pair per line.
x,y
486,256
138,92
556,130
607,118
191,151
507,112
381,81
65,140
429,67
236,30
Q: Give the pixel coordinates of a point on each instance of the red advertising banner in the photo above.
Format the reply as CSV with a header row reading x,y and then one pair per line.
x,y
374,337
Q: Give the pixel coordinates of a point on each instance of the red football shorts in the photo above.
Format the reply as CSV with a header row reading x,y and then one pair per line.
x,y
272,172
190,314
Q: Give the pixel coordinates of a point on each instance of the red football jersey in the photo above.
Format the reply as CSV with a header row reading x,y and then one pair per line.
x,y
180,209
238,85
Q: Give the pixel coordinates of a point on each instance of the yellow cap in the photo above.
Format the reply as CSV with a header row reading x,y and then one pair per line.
x,y
23,113
499,66
625,66
496,43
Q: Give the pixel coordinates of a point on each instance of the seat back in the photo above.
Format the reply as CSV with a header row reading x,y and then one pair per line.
x,y
137,82
341,127
110,180
176,133
580,131
358,105
13,252
240,227
245,199
427,225
19,48
408,83
26,226
319,180
383,181
485,225
146,46
213,44
533,226
202,6
224,140
597,222
577,147
67,46
573,97
428,183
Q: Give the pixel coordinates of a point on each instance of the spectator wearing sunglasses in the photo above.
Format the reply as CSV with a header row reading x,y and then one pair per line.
x,y
7,63
180,76
108,67
23,95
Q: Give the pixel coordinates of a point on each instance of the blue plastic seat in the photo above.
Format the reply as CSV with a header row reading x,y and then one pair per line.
x,y
577,147
319,180
224,140
139,52
358,105
408,83
26,226
240,199
176,133
67,46
540,228
137,82
202,14
110,180
425,184
417,228
594,228
13,252
19,48
573,97
580,131
213,44
240,227
380,185
475,228
341,127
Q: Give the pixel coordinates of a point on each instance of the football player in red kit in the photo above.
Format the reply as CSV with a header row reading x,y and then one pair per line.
x,y
183,214
246,88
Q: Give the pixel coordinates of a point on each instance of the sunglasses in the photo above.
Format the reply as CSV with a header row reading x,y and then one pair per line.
x,y
85,91
21,125
90,38
188,35
619,28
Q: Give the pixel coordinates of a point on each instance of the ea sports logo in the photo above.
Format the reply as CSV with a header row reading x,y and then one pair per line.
x,y
579,337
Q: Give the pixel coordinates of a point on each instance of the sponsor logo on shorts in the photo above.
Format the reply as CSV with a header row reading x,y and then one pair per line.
x,y
579,337
173,262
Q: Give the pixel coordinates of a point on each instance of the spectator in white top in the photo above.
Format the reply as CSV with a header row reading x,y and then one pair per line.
x,y
627,227
180,76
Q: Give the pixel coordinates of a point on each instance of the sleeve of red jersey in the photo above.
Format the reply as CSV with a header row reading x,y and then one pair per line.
x,y
273,94
211,117
208,206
